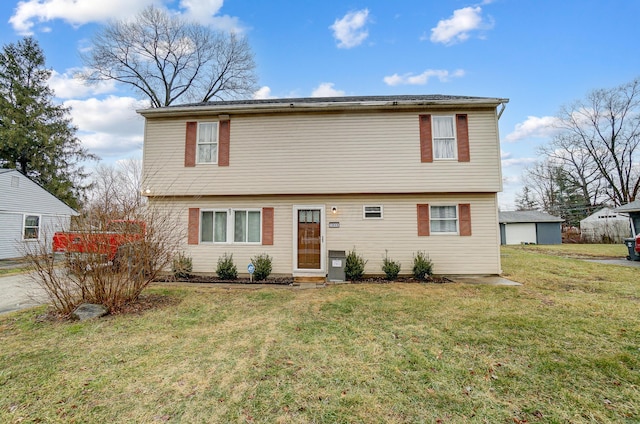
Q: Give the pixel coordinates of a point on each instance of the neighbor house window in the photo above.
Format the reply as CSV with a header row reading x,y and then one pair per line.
x,y
444,219
237,226
444,137
207,142
372,212
31,227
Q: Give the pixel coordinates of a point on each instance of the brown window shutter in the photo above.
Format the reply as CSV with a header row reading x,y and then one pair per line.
x,y
423,220
267,226
426,143
223,143
193,226
464,209
462,129
190,144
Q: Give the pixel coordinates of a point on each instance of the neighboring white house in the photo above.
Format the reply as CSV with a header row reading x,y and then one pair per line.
x,y
29,214
530,227
605,225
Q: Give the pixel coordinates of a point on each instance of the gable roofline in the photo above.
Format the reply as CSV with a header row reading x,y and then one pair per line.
x,y
324,104
8,170
526,217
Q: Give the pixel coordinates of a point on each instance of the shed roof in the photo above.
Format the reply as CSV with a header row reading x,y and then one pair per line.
x,y
513,217
629,207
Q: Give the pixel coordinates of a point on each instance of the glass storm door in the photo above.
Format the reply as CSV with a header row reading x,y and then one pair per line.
x,y
309,239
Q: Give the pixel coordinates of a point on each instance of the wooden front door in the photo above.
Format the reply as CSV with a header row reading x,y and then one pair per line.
x,y
309,238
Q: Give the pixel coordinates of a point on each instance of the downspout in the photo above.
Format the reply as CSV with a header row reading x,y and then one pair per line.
x,y
504,106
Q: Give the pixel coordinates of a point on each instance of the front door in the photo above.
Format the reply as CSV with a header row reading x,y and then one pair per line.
x,y
309,238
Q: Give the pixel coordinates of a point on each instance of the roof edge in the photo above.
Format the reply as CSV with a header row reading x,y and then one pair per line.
x,y
333,103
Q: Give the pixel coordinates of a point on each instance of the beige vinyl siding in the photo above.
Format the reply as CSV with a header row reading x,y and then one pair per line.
x,y
317,153
396,232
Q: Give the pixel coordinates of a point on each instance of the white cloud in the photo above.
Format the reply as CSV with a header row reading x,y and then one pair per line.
x,y
74,12
70,86
326,90
79,12
263,93
423,78
206,13
350,31
109,126
546,126
457,28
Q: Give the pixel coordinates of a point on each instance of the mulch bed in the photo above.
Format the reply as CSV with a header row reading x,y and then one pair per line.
x,y
210,279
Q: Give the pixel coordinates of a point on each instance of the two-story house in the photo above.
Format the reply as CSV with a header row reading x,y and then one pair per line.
x,y
296,178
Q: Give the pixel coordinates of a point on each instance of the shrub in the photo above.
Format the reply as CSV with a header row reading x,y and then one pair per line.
x,y
422,266
390,267
226,269
354,266
182,266
262,263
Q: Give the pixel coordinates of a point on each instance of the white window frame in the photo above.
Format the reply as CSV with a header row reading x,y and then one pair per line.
x,y
214,143
38,227
231,225
436,137
213,229
431,219
364,212
233,229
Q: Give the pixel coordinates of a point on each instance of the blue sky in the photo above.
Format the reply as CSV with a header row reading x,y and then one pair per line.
x,y
541,54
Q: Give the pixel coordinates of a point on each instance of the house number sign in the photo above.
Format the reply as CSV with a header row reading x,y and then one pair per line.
x,y
334,225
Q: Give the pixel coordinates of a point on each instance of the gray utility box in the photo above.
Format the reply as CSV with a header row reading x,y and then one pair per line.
x,y
337,261
631,246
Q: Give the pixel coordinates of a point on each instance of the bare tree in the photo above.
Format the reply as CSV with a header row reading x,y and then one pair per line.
x,y
116,191
168,59
604,129
579,167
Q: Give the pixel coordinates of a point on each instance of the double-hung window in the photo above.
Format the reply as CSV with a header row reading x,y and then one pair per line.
x,y
444,219
31,227
231,226
246,226
207,142
444,137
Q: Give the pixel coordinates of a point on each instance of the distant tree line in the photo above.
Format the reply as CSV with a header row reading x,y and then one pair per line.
x,y
592,161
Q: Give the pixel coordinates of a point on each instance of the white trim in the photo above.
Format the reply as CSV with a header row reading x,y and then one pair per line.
x,y
217,143
443,233
455,137
364,212
231,221
302,272
24,226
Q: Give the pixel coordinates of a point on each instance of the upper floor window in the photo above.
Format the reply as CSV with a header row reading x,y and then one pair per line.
x,y
444,219
31,227
207,142
444,137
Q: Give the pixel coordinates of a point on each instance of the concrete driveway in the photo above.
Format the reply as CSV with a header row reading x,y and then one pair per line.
x,y
19,291
620,262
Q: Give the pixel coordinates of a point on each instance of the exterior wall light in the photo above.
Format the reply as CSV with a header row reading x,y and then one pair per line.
x,y
334,210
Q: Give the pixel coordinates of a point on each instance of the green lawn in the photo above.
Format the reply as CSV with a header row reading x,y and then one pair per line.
x,y
564,347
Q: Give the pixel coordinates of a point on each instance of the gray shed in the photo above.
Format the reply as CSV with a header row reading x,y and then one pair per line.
x,y
29,214
534,227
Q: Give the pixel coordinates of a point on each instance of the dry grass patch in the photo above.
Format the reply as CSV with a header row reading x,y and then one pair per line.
x,y
565,347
